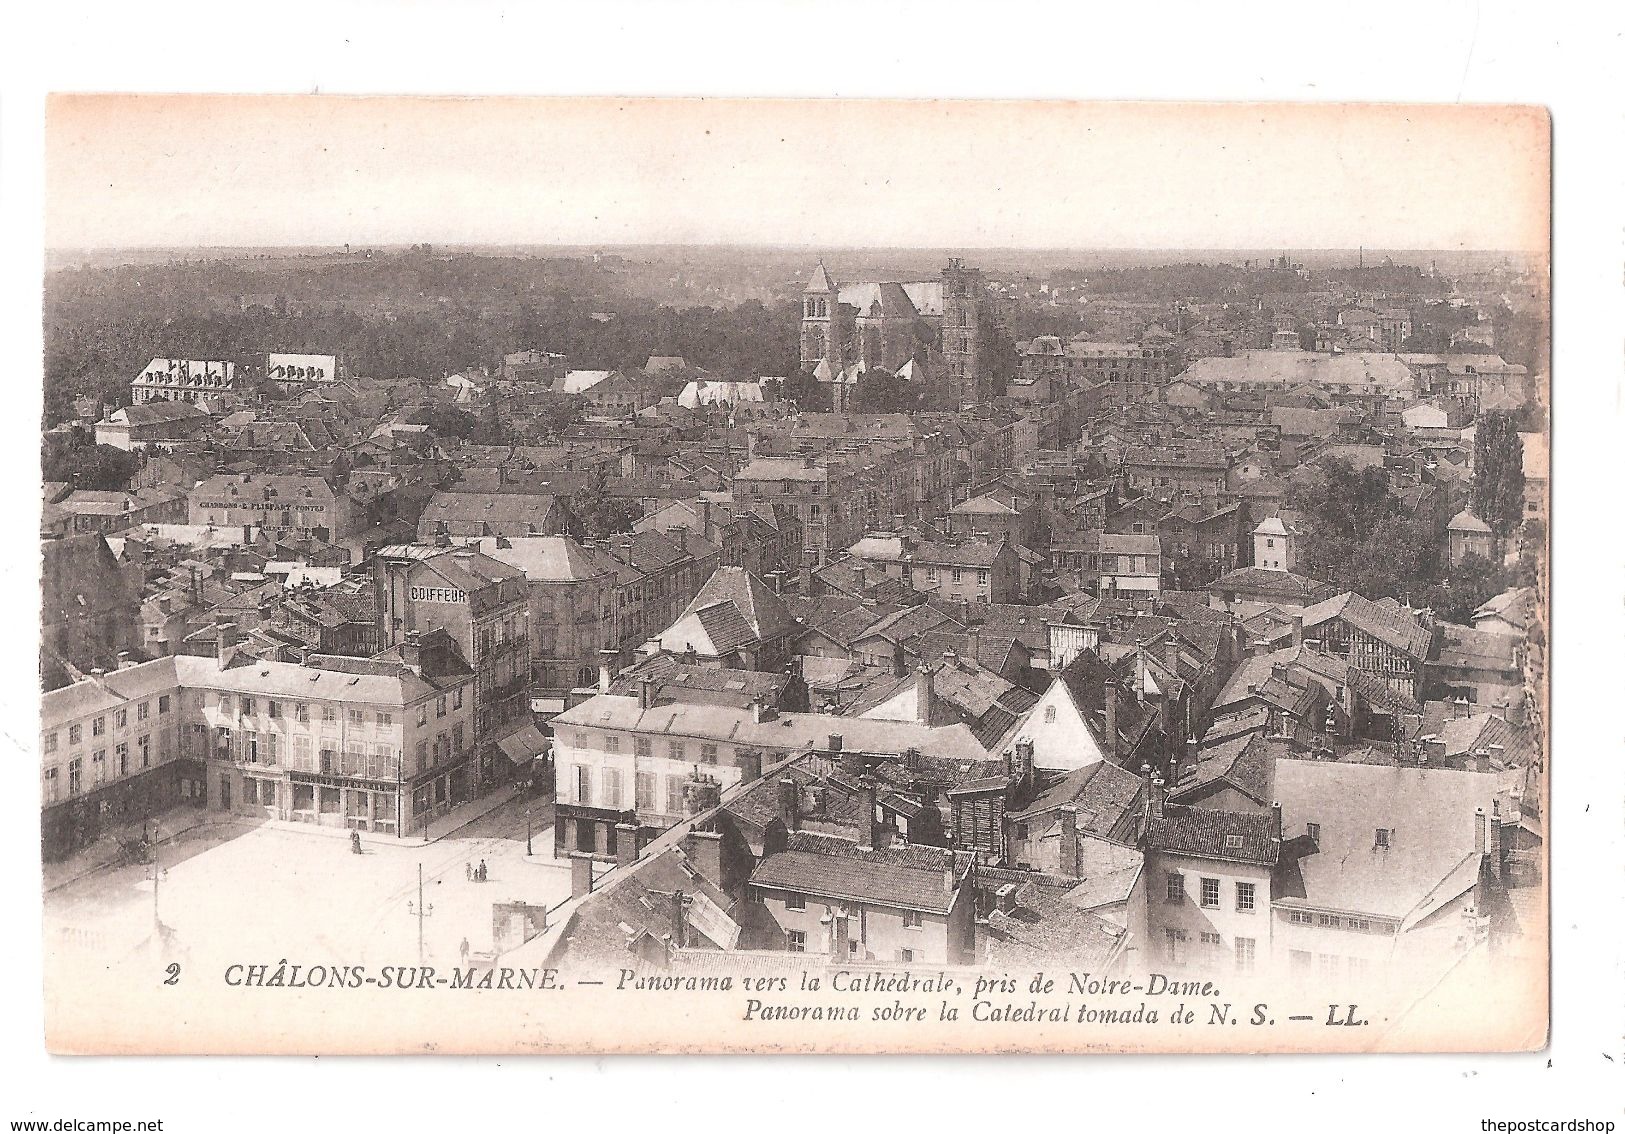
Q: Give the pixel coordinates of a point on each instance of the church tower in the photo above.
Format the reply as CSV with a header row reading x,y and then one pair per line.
x,y
961,313
819,302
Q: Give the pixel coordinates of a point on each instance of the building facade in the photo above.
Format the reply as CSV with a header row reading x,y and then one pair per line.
x,y
480,602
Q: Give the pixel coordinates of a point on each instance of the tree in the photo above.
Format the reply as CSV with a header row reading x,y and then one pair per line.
x,y
1466,587
1342,503
444,420
100,467
598,514
881,391
1497,495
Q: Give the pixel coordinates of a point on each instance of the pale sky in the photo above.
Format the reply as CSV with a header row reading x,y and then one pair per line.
x,y
299,170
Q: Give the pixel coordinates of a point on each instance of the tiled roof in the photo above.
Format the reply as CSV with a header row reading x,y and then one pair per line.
x,y
851,878
1102,793
1256,580
1464,647
1387,622
1245,763
1048,926
763,610
1205,833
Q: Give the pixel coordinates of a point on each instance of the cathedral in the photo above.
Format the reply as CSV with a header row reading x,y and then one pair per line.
x,y
924,331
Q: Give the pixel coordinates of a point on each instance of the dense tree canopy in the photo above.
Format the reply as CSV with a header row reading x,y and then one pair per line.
x,y
597,514
1497,496
100,467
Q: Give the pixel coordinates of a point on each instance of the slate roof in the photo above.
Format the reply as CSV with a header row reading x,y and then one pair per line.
x,y
544,558
502,506
840,618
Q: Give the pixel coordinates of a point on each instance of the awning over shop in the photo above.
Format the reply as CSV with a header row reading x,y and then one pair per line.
x,y
523,745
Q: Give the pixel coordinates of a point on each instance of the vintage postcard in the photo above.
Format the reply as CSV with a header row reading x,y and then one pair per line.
x,y
585,575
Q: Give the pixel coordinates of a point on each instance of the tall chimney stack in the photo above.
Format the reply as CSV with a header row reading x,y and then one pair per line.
x,y
1111,741
868,824
225,637
1069,842
790,804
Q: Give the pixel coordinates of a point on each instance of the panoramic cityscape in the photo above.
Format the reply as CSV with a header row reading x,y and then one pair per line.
x,y
643,612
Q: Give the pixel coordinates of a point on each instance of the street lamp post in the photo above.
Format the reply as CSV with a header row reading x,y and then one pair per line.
x,y
420,910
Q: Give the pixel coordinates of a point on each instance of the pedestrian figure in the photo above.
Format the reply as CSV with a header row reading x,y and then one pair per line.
x,y
483,874
462,950
355,842
468,872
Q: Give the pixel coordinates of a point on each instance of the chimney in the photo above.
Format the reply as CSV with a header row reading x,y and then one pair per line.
x,y
973,642
806,580
749,763
677,928
927,709
225,637
1111,741
1495,848
790,804
580,875
1297,631
860,571
1024,758
1069,842
868,824
626,843
704,850
1478,832
1275,819
898,661
606,673
412,652
646,693
950,879
1170,653
1005,897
